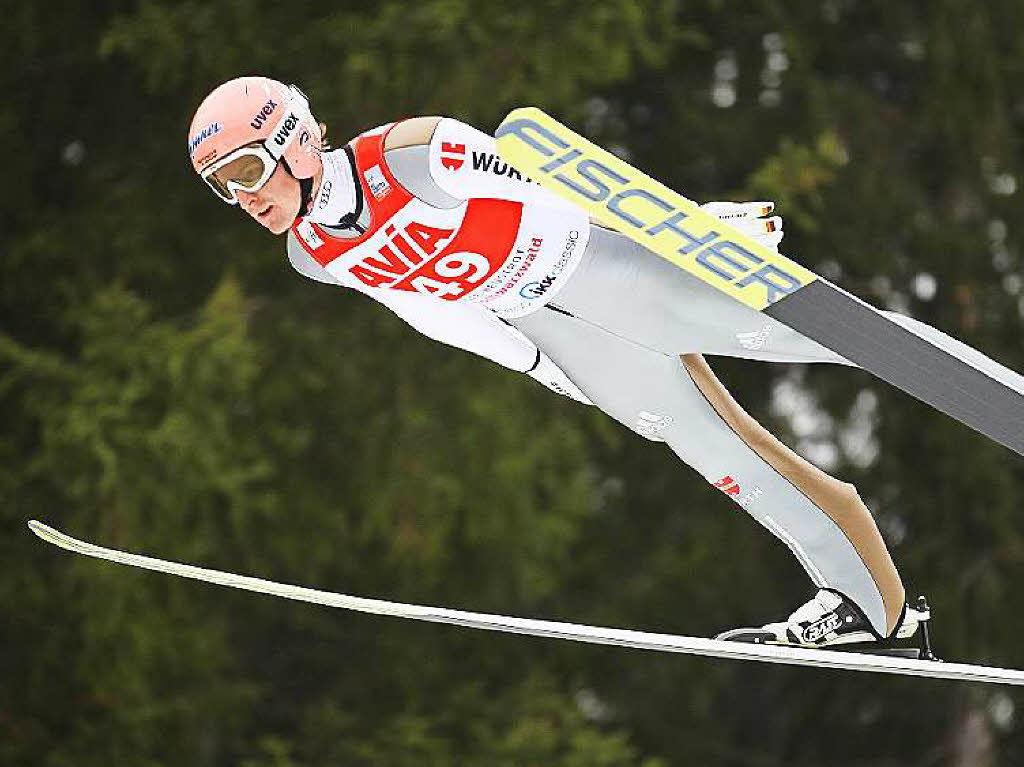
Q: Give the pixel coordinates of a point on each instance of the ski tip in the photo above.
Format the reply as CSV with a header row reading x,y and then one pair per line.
x,y
52,535
534,114
45,532
528,109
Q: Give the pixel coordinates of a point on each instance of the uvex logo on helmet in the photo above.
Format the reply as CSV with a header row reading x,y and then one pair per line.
x,y
287,126
265,112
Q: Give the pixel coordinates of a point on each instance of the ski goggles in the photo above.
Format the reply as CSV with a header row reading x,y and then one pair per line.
x,y
247,168
250,167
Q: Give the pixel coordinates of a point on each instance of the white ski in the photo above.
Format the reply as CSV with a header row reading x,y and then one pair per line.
x,y
554,629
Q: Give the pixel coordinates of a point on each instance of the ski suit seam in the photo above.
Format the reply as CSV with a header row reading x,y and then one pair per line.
x,y
603,329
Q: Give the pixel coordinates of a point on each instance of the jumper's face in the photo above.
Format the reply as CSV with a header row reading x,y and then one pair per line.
x,y
276,204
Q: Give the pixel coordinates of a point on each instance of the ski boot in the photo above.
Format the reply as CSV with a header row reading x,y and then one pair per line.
x,y
830,620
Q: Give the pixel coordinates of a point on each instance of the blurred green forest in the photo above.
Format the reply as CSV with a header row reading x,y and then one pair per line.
x,y
168,385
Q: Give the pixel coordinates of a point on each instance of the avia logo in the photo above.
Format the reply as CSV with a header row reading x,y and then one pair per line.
x,y
489,162
210,130
755,339
285,131
821,627
403,250
422,258
265,112
452,155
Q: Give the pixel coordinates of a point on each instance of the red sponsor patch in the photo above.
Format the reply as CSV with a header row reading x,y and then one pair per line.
x,y
452,155
727,485
444,262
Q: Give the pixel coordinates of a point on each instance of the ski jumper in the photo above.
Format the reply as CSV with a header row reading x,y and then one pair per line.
x,y
432,224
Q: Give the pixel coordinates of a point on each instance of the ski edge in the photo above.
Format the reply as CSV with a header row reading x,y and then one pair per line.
x,y
544,628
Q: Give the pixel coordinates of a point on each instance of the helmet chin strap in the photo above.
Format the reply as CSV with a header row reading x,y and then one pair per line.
x,y
305,190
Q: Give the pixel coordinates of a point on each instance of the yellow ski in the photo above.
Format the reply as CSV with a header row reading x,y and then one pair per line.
x,y
956,380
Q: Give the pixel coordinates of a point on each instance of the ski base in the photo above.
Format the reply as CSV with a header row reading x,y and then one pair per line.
x,y
795,656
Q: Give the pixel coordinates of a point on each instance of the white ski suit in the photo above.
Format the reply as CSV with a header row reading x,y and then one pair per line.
x,y
399,216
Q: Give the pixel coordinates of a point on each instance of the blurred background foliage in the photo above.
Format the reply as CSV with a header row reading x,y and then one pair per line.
x,y
168,385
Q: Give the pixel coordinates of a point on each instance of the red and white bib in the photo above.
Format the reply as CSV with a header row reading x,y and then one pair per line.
x,y
511,251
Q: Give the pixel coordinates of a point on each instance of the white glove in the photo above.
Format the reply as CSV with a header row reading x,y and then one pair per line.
x,y
751,218
549,374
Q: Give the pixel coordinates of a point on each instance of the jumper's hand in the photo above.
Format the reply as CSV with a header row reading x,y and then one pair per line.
x,y
752,218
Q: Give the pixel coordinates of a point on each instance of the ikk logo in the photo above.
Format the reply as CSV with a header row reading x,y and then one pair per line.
x,y
532,290
452,155
536,289
261,117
